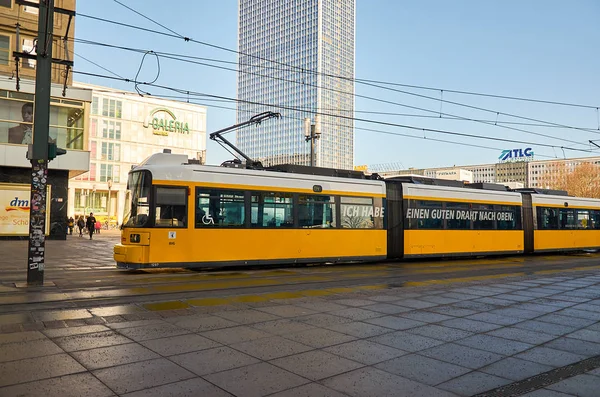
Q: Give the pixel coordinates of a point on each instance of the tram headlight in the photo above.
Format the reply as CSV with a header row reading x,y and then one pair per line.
x,y
134,238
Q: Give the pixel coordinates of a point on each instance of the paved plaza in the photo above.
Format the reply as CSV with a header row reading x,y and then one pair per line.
x,y
533,336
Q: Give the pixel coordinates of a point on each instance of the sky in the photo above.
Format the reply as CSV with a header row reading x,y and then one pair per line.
x,y
536,49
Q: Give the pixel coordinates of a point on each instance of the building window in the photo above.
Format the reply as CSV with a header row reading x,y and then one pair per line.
x,y
30,9
95,105
6,3
4,49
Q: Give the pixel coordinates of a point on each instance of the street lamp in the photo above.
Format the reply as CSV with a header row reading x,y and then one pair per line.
x,y
109,194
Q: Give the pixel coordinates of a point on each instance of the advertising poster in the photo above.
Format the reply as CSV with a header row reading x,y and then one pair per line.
x,y
14,209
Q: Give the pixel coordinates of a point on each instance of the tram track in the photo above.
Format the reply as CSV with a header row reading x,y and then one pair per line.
x,y
166,286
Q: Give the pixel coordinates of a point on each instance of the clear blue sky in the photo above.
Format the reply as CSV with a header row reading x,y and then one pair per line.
x,y
544,49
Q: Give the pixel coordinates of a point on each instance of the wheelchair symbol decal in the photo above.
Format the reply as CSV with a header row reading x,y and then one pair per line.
x,y
207,219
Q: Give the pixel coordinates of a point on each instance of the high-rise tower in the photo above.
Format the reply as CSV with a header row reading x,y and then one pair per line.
x,y
297,58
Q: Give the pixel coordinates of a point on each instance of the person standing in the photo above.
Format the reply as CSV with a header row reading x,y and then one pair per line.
x,y
71,225
98,225
80,225
91,224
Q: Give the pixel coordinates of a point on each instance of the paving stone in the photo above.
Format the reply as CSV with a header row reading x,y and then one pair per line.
x,y
190,387
440,300
319,337
514,297
494,345
356,314
153,331
439,332
204,323
588,307
423,369
365,351
522,335
46,367
320,306
249,316
476,306
426,317
552,357
587,315
462,355
469,325
86,329
546,393
282,327
179,344
287,310
213,360
387,308
580,385
132,324
495,301
576,346
394,322
359,329
383,298
555,318
553,302
415,303
113,355
473,383
547,328
373,382
62,315
256,380
322,319
316,365
353,302
76,385
515,369
141,375
15,318
494,318
452,311
586,334
28,349
271,347
32,326
516,313
91,341
20,337
459,297
231,335
537,307
406,341
309,390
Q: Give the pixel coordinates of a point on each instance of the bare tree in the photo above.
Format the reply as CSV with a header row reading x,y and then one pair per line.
x,y
583,180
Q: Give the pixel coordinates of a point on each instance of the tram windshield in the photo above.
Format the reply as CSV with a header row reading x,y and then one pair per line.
x,y
139,188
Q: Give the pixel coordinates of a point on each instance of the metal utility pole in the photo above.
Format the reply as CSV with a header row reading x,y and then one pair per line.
x,y
311,134
38,152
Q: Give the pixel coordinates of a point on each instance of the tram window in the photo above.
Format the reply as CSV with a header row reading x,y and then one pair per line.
x,y
595,219
567,219
457,210
316,211
484,220
547,218
420,214
508,217
219,208
271,209
171,207
583,219
357,212
139,184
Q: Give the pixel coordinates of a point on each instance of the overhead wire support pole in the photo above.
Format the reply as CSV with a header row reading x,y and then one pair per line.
x,y
218,137
594,143
38,152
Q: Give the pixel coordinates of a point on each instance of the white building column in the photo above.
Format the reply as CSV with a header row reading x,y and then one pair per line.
x,y
120,205
71,202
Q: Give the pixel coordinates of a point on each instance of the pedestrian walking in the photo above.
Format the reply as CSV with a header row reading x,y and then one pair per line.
x,y
71,225
80,225
91,224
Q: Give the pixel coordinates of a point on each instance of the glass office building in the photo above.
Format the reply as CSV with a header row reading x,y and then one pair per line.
x,y
297,58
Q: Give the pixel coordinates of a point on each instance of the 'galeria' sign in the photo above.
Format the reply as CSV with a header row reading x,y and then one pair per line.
x,y
163,121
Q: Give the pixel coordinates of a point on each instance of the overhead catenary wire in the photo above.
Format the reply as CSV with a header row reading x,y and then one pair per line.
x,y
303,70
181,58
274,106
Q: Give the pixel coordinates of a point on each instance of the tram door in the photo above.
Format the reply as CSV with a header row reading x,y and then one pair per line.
x,y
527,222
395,215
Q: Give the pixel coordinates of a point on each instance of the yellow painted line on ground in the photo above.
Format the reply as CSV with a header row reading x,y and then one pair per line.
x,y
249,298
172,305
461,269
209,302
283,295
573,269
316,292
340,290
372,287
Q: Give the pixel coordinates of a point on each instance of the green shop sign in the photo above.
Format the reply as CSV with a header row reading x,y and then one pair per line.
x,y
163,121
